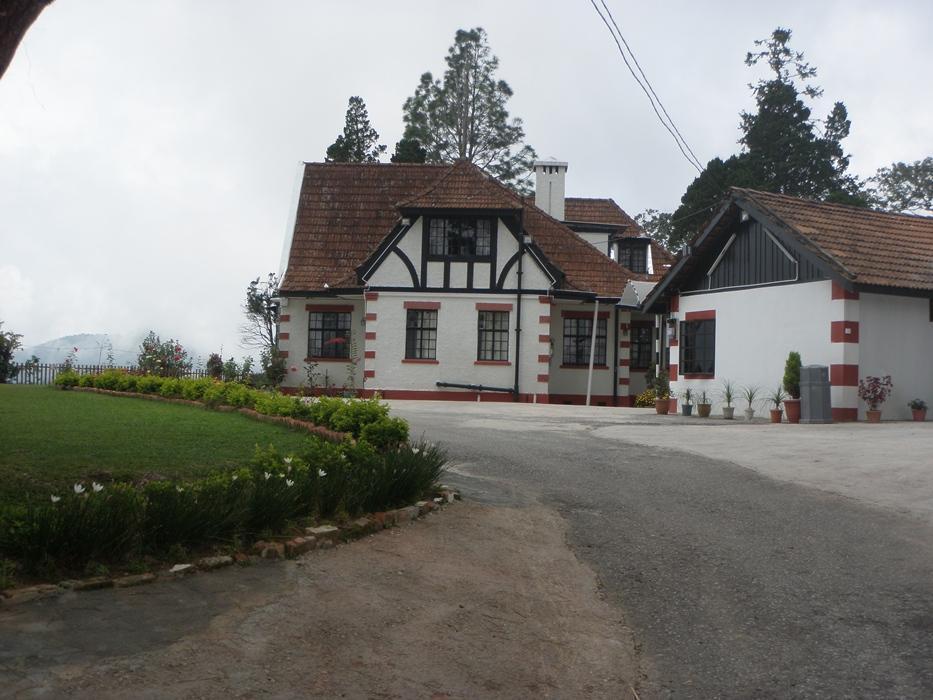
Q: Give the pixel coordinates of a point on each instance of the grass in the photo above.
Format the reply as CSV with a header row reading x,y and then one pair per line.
x,y
51,438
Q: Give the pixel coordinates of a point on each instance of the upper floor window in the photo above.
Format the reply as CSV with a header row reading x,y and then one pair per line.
x,y
465,237
329,334
633,254
578,335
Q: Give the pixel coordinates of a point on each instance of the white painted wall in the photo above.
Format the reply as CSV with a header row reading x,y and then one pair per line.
x,y
896,338
756,328
598,240
573,380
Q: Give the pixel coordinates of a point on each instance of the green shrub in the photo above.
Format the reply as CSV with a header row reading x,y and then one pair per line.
x,y
386,433
110,380
67,379
194,389
86,380
273,404
404,475
792,374
171,388
645,399
215,395
352,415
149,384
322,410
241,396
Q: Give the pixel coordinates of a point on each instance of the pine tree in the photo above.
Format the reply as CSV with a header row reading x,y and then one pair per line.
x,y
464,116
409,151
359,142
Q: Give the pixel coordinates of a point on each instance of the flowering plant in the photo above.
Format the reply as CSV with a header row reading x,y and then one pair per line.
x,y
874,390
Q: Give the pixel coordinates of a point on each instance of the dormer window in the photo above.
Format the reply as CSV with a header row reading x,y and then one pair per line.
x,y
633,254
459,237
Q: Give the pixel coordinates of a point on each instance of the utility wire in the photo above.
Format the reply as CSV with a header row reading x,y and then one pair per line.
x,y
650,87
693,161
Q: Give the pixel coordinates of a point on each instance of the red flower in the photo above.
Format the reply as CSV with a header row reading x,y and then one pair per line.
x,y
335,341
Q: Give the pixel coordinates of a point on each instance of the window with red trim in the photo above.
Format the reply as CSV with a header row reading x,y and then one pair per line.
x,y
328,334
698,347
578,333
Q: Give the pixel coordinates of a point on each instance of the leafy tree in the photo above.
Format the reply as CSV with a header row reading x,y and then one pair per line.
x,y
163,358
783,148
409,151
215,366
657,224
9,343
259,331
464,116
359,142
904,187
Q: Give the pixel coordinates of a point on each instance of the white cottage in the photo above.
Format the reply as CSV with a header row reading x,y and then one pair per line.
x,y
437,282
848,288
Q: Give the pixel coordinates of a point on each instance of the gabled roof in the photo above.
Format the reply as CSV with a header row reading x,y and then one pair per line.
x,y
346,210
464,186
866,247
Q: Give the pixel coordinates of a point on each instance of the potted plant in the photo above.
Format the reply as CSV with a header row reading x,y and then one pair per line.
x,y
750,394
776,398
919,409
704,406
792,387
662,393
728,395
874,391
687,408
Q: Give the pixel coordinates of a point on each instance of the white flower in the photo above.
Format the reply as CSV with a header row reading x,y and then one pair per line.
x,y
287,460
97,487
415,450
289,483
321,473
56,499
281,476
179,489
267,475
79,488
234,477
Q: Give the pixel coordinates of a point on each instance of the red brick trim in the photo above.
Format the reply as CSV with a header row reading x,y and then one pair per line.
x,y
698,375
545,300
840,292
544,319
369,354
625,343
504,363
675,304
624,381
544,338
284,336
285,318
627,326
545,359
369,335
843,332
843,375
673,343
372,296
544,378
283,353
672,373
625,363
708,315
584,314
412,361
371,316
345,309
423,305
672,405
369,373
844,415
483,306
605,400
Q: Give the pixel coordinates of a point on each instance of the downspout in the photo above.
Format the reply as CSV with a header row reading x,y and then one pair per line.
x,y
518,298
589,378
615,359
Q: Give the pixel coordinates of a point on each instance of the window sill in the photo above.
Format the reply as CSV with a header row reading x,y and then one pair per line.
x,y
412,361
584,367
699,375
503,363
344,360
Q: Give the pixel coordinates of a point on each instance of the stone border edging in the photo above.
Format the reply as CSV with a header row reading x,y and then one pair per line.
x,y
317,537
307,426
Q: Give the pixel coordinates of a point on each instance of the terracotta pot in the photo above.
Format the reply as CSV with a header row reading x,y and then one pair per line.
x,y
686,409
776,415
792,408
920,414
728,412
662,406
749,413
704,409
873,416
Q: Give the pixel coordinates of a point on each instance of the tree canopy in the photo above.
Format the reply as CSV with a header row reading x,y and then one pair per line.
x,y
904,187
464,115
784,149
359,142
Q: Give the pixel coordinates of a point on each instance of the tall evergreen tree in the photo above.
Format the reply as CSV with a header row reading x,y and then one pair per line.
x,y
784,149
409,151
359,142
464,116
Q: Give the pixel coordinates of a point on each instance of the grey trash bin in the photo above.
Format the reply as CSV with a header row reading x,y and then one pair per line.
x,y
815,403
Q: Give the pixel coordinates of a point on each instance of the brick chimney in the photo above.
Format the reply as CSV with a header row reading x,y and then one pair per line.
x,y
549,187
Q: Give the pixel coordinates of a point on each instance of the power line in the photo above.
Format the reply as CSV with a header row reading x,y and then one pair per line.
x,y
674,132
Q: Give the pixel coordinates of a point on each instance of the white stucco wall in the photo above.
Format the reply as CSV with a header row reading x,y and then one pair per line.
x,y
598,240
573,380
896,338
756,329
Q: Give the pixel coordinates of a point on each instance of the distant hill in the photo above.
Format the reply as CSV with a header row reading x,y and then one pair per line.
x,y
92,349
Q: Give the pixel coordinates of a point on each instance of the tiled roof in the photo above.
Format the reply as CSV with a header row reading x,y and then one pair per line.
x,y
346,210
464,186
865,246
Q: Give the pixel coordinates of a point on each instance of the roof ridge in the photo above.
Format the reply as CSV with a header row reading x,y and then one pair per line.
x,y
836,205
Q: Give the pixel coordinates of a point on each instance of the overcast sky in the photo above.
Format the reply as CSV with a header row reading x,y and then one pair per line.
x,y
149,150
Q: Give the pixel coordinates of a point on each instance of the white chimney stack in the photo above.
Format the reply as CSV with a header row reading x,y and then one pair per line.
x,y
549,187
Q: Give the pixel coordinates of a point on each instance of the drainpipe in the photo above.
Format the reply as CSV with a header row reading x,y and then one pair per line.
x,y
518,298
589,378
615,359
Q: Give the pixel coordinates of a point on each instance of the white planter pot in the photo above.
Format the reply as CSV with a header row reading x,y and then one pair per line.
x,y
749,413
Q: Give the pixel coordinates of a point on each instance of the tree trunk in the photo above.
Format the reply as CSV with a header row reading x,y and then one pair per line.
x,y
15,18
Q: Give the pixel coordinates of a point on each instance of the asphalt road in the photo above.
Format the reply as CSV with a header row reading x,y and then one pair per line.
x,y
736,585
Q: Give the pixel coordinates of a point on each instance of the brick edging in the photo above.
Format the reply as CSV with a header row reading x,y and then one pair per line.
x,y
315,538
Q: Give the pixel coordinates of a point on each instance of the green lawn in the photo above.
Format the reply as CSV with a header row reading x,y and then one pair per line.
x,y
51,438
